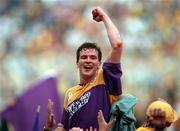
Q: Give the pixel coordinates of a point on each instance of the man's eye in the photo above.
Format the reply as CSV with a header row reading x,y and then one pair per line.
x,y
93,57
83,57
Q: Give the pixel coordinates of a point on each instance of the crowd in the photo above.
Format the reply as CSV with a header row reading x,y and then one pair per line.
x,y
39,34
159,116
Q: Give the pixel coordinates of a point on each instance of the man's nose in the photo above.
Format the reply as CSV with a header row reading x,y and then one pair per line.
x,y
89,59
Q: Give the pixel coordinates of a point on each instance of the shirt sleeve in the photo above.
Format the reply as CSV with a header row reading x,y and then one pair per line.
x,y
112,76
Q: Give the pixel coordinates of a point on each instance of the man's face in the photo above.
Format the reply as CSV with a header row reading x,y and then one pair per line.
x,y
88,63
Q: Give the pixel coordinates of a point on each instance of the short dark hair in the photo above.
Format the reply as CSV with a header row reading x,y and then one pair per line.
x,y
88,45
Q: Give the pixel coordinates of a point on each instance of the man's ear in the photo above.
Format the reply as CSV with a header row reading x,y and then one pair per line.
x,y
100,63
77,64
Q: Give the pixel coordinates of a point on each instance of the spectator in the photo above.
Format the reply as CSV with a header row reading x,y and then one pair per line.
x,y
159,116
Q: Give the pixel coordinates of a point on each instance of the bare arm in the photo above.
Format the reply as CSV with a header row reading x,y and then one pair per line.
x,y
51,121
113,35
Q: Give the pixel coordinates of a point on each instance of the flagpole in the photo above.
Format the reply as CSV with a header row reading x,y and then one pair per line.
x,y
36,122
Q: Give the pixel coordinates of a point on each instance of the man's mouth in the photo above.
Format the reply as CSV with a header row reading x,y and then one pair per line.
x,y
88,67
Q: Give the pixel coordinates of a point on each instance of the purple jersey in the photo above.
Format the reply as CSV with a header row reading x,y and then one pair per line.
x,y
82,103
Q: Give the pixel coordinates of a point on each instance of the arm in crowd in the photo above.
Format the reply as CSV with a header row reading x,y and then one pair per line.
x,y
51,121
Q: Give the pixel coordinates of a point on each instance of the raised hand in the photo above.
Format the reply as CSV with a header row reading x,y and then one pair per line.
x,y
51,120
103,125
98,14
91,129
158,118
76,129
60,127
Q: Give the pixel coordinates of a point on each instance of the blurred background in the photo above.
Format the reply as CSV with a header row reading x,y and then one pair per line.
x,y
39,38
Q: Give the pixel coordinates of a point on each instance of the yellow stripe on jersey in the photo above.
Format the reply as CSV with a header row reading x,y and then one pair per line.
x,y
77,91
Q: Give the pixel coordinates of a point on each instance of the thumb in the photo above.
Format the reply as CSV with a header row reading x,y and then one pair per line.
x,y
111,123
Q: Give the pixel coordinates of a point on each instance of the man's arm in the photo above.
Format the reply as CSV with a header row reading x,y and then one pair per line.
x,y
113,35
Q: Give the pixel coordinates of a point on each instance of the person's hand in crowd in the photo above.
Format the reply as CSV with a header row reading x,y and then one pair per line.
x,y
80,129
60,127
51,121
76,129
157,118
103,125
177,125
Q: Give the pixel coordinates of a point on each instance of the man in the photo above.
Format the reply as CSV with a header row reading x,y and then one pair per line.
x,y
98,88
159,116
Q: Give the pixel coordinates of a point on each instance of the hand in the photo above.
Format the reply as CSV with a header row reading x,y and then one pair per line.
x,y
98,14
80,129
103,125
158,118
51,120
177,125
60,127
76,129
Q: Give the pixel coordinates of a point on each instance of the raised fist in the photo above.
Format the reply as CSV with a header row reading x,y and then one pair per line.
x,y
98,14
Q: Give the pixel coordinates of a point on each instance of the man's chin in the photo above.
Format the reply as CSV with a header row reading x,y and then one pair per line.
x,y
87,75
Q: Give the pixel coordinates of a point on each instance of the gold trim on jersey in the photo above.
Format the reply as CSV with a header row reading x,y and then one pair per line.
x,y
77,91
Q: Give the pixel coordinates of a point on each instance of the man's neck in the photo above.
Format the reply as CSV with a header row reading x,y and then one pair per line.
x,y
84,81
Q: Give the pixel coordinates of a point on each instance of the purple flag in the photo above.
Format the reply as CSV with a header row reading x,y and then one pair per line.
x,y
23,114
